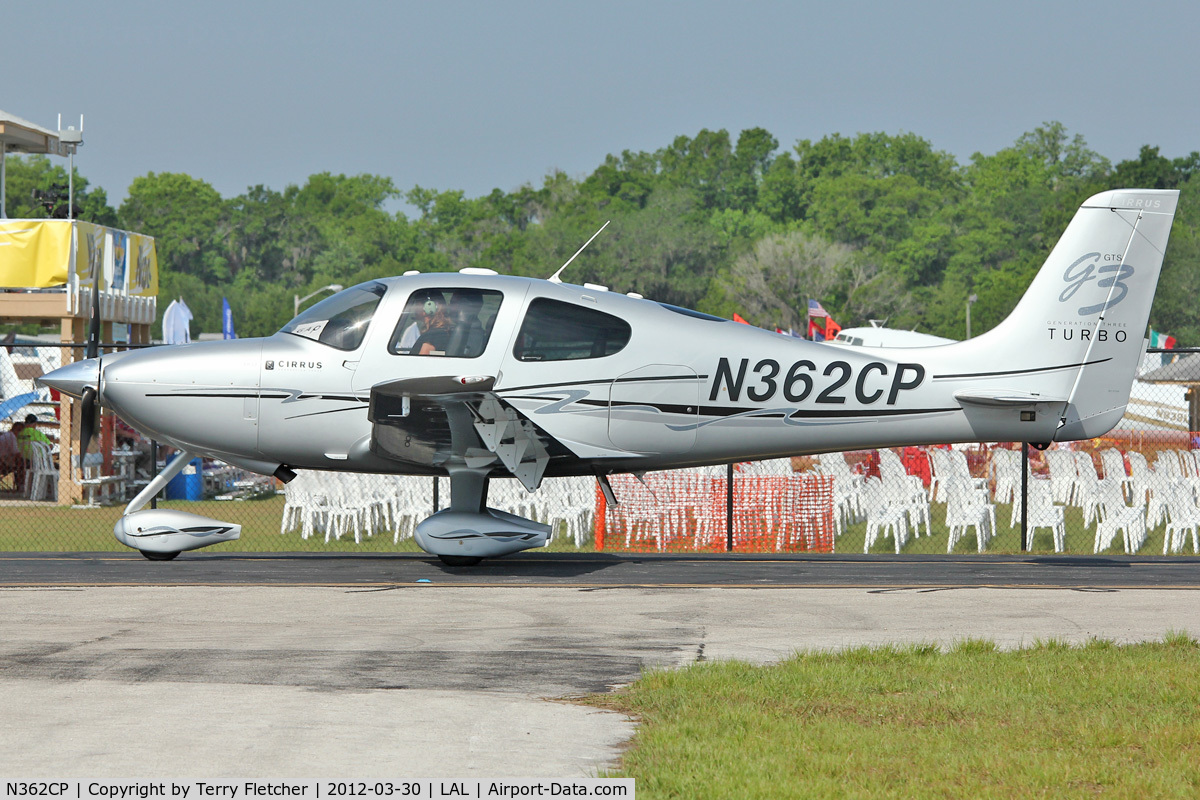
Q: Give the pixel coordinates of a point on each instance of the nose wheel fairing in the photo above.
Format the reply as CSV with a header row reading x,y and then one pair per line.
x,y
166,530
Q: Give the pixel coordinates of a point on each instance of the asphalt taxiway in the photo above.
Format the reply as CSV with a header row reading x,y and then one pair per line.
x,y
319,666
600,570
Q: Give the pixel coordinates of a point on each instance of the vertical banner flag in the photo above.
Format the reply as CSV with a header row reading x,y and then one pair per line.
x,y
227,320
120,260
143,261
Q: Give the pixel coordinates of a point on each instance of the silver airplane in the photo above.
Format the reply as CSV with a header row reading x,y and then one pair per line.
x,y
478,376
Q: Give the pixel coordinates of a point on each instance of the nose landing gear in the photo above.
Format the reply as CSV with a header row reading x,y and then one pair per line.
x,y
161,534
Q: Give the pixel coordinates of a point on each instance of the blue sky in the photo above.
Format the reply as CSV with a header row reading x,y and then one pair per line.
x,y
474,96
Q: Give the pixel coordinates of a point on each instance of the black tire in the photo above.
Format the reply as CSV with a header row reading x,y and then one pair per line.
x,y
158,556
460,561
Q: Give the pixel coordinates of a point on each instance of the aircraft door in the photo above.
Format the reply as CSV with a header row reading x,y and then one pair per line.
x,y
436,331
654,409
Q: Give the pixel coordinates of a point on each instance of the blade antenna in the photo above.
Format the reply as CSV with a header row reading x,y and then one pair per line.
x,y
554,278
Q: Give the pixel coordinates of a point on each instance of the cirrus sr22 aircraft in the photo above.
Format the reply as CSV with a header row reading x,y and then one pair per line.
x,y
480,376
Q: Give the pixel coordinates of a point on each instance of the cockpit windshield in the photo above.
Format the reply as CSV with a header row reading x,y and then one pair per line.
x,y
340,321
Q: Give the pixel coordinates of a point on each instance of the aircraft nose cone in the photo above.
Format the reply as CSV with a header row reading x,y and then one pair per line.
x,y
72,378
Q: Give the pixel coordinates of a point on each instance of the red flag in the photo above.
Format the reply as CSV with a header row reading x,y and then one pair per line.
x,y
814,331
738,318
832,329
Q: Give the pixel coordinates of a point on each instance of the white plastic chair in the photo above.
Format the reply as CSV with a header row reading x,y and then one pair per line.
x,y
1006,474
1184,517
42,476
1114,468
1043,513
306,504
904,490
847,490
1116,516
1062,475
1086,496
884,516
968,507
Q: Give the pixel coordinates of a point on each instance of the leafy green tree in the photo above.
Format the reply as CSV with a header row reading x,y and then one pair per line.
x,y
29,174
1174,309
188,220
770,286
1154,171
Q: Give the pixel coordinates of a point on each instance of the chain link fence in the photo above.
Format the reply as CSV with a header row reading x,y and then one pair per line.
x,y
1133,491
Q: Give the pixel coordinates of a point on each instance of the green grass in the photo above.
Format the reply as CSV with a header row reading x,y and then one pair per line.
x,y
1051,720
47,527
1078,539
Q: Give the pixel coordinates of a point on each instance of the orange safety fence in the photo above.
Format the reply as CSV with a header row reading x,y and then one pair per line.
x,y
685,511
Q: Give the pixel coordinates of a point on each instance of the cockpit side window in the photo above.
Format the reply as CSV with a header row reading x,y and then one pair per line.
x,y
340,321
455,323
558,331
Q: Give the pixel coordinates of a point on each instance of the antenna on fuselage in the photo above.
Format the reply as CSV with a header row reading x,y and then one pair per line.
x,y
554,278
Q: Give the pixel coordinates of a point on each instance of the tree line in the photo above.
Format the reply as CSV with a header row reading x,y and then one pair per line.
x,y
875,226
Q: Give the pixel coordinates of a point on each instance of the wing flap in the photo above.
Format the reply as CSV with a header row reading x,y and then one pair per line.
x,y
441,421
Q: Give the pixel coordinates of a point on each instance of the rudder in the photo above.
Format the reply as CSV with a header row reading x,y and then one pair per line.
x,y
1090,303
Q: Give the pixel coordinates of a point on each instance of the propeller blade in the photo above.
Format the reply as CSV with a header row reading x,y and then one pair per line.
x,y
88,412
93,339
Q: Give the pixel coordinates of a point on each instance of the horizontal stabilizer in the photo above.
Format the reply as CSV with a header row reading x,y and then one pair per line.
x,y
1005,399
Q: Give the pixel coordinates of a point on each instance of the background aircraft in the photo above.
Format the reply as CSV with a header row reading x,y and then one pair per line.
x,y
479,376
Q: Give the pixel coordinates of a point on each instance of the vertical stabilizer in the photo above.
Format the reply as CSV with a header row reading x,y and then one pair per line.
x,y
1089,305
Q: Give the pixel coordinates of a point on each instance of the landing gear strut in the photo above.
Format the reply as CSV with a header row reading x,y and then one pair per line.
x,y
469,531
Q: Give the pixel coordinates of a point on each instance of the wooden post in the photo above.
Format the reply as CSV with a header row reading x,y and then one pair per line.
x,y
73,329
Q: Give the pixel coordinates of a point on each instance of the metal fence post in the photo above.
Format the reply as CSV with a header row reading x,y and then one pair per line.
x,y
1024,496
729,509
154,467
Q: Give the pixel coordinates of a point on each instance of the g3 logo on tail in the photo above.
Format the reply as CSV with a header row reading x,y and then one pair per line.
x,y
1085,269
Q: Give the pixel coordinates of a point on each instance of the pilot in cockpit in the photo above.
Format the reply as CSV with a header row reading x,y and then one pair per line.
x,y
422,308
432,326
435,333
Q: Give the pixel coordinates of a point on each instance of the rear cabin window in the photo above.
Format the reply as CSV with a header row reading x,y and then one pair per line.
x,y
455,323
557,331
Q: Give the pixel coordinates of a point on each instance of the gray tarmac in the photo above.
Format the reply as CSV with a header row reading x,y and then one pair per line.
x,y
387,679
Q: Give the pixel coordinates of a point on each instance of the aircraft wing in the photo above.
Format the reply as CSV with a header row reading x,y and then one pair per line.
x,y
445,421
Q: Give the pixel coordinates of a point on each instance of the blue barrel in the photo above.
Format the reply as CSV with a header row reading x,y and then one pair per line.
x,y
188,484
